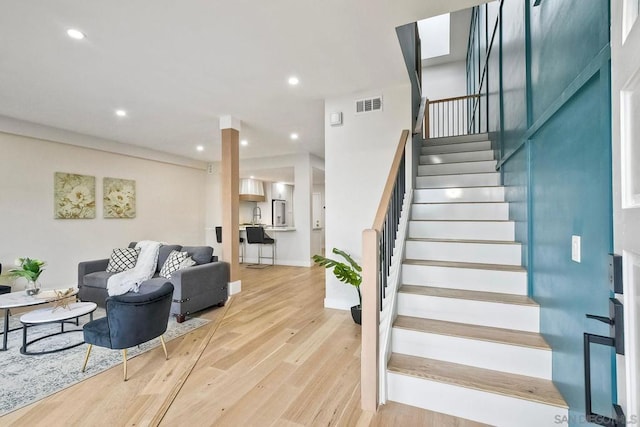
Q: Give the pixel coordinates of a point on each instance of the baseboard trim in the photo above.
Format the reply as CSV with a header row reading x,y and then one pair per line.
x,y
337,304
235,287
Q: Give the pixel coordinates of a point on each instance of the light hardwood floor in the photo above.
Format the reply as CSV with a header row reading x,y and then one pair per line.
x,y
273,356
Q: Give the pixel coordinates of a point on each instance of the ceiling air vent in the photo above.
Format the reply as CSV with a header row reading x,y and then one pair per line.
x,y
368,105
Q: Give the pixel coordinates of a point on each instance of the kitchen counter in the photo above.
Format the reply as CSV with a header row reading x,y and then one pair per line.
x,y
288,241
268,227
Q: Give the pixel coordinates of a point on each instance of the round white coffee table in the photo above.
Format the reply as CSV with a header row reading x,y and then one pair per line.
x,y
21,299
60,315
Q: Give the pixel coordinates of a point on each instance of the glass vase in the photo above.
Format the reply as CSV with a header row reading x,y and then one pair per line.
x,y
33,287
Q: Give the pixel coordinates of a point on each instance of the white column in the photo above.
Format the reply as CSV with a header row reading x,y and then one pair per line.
x,y
302,204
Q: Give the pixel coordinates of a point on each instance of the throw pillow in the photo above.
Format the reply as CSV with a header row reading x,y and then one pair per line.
x,y
122,259
188,262
172,263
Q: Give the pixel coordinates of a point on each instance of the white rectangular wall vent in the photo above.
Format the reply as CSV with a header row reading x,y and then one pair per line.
x,y
368,105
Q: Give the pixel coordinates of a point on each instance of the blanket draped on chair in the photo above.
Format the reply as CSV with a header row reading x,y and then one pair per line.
x,y
129,280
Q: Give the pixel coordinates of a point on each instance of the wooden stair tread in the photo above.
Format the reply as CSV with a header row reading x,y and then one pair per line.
x,y
461,220
457,203
461,187
453,163
511,385
477,332
456,173
468,295
460,139
473,265
481,242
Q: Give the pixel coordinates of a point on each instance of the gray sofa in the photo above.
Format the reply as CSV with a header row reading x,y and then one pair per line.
x,y
195,288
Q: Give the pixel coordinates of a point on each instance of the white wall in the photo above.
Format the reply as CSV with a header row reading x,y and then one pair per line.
x,y
358,156
170,205
444,80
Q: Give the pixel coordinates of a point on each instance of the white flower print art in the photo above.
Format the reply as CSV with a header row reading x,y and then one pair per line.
x,y
119,198
74,196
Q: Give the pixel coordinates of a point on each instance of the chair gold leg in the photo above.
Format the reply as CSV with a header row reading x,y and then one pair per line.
x,y
164,347
86,357
124,362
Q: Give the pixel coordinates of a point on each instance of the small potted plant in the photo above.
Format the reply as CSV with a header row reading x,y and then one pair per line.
x,y
30,269
348,273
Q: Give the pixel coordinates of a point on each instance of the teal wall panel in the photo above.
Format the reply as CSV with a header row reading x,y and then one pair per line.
x,y
493,72
514,91
565,36
553,137
571,194
516,180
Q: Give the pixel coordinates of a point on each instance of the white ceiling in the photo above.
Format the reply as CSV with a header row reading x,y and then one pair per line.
x,y
176,66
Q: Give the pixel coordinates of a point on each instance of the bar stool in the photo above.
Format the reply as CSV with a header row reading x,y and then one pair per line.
x,y
219,240
256,235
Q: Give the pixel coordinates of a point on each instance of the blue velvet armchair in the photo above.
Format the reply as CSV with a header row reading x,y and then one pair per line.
x,y
131,319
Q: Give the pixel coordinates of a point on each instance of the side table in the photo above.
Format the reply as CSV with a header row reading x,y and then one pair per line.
x,y
56,315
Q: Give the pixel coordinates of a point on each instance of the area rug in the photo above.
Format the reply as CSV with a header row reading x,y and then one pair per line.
x,y
27,379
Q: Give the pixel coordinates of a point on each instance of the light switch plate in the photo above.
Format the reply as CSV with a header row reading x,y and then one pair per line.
x,y
575,248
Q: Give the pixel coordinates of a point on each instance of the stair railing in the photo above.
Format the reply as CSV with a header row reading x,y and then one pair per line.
x,y
460,115
378,244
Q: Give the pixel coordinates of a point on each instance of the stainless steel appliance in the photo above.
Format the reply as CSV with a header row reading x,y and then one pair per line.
x,y
278,213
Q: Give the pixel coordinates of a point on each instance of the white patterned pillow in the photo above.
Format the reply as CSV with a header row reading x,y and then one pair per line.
x,y
123,259
173,262
188,262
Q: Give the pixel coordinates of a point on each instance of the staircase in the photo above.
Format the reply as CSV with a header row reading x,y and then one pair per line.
x,y
465,341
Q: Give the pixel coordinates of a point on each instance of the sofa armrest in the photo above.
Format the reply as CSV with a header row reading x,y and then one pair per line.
x,y
86,267
199,276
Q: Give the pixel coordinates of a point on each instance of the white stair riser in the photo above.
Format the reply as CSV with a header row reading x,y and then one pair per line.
x,y
471,211
456,168
463,180
471,156
476,405
533,362
470,230
469,194
484,253
470,279
456,148
508,316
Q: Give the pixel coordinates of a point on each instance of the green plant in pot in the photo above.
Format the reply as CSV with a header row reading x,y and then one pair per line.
x,y
30,269
348,273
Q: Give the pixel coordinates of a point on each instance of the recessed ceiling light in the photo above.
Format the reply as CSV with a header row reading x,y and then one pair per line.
x,y
294,136
252,177
244,142
121,113
75,34
293,80
200,148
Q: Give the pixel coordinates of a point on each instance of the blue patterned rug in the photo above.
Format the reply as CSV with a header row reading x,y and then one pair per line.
x,y
27,379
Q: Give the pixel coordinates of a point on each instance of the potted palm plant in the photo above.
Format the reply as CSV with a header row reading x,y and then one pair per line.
x,y
348,273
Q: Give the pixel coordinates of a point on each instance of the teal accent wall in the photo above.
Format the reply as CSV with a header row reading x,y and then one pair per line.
x,y
514,91
571,194
552,136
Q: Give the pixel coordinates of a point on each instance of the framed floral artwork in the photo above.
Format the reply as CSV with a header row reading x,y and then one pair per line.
x,y
74,196
119,198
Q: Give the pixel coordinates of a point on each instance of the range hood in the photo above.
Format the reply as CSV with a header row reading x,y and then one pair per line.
x,y
251,190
